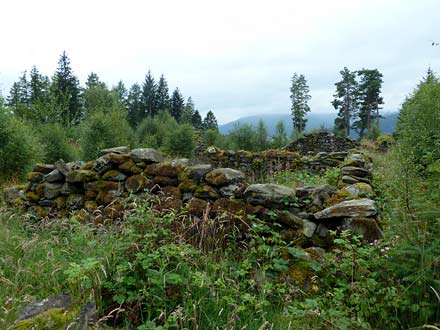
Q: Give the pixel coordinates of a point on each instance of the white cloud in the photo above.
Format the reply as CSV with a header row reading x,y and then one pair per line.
x,y
234,57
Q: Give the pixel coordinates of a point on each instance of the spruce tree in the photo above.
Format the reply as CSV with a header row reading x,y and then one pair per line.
x,y
66,93
369,89
210,122
162,95
38,87
177,105
149,96
299,94
346,101
279,140
135,105
196,120
121,92
188,111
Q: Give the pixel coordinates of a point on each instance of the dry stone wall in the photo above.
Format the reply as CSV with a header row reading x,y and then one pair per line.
x,y
314,142
221,187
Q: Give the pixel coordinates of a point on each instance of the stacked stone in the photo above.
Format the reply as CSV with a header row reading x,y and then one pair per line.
x,y
305,215
313,142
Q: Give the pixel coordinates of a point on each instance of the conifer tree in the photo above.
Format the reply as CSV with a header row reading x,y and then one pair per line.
x,y
177,105
346,101
369,89
97,96
261,136
188,111
66,92
279,140
196,120
162,95
149,98
134,105
210,122
121,92
299,94
38,87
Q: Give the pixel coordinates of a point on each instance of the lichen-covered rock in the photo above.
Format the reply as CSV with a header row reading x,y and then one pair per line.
x,y
309,228
138,182
270,195
197,172
62,167
10,195
102,165
115,150
101,185
224,176
366,227
106,197
43,168
38,307
81,176
128,166
164,181
359,189
316,195
57,313
147,155
162,169
363,207
288,219
206,192
75,202
232,191
52,190
54,176
355,171
114,175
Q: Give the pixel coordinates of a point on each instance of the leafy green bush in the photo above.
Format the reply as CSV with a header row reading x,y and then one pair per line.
x,y
104,130
57,144
152,131
20,147
180,141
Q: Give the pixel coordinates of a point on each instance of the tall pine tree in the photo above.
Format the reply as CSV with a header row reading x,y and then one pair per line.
x,y
66,92
370,101
177,105
188,111
149,96
135,105
299,94
162,95
210,122
196,120
346,101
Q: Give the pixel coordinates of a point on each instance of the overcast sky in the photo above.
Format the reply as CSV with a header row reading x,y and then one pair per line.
x,y
233,57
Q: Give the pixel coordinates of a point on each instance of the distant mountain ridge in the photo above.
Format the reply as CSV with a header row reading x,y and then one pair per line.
x,y
314,121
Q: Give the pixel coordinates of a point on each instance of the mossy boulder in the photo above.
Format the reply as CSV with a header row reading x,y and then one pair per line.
x,y
187,185
363,207
81,176
54,176
90,206
162,169
366,227
224,176
359,189
11,194
270,195
164,181
355,171
127,167
146,155
75,202
106,197
101,185
52,190
32,196
60,202
138,182
206,192
196,172
114,175
114,150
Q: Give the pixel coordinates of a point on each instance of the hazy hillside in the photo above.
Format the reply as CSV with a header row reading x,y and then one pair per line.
x,y
315,121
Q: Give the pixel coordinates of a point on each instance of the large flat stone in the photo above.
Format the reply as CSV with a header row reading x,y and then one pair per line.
x,y
270,195
147,155
363,207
